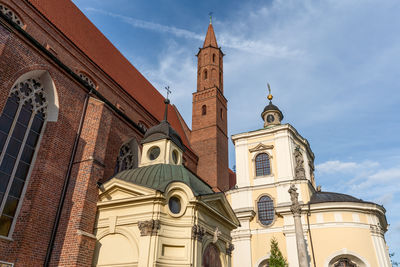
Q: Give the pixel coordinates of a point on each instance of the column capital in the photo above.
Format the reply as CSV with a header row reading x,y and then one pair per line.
x,y
149,227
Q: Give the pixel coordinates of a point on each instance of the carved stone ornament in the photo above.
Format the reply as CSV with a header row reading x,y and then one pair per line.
x,y
295,207
299,171
198,232
149,227
217,233
260,147
376,229
230,247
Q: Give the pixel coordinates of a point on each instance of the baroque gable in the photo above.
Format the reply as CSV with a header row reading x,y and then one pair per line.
x,y
260,147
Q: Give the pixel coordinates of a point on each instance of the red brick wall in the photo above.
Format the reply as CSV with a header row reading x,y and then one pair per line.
x,y
103,134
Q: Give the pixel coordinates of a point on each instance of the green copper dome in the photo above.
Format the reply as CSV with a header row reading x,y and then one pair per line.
x,y
159,176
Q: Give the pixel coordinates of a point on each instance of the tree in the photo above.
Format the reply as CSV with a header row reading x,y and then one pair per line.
x,y
276,259
394,263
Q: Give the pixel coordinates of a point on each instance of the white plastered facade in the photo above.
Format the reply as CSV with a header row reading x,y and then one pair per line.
x,y
338,229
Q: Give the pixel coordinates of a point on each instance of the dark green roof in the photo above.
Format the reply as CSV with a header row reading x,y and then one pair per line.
x,y
159,176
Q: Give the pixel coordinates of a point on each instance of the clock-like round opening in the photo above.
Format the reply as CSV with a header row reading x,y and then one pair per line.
x,y
175,156
270,118
154,152
174,205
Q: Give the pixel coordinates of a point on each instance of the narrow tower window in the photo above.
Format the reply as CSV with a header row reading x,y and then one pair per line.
x,y
213,57
222,114
21,124
204,110
263,166
265,208
205,75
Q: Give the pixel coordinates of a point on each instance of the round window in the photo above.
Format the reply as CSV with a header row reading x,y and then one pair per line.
x,y
154,153
174,205
175,156
270,118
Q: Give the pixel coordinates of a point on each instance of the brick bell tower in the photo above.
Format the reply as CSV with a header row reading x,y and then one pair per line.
x,y
209,117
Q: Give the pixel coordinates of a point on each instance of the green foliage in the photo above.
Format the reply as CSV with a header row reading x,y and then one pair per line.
x,y
276,259
394,263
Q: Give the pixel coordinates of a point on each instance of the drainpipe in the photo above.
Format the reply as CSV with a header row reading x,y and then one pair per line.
x,y
66,183
309,232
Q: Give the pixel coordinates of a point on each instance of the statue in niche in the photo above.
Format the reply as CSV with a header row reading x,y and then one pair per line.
x,y
299,171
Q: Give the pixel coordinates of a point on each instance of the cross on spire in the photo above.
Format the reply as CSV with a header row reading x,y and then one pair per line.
x,y
168,91
210,15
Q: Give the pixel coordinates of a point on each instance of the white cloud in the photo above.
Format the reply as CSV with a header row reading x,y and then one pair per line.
x,y
334,166
226,39
150,25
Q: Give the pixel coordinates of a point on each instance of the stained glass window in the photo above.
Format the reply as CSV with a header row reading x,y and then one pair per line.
x,y
21,124
263,166
265,210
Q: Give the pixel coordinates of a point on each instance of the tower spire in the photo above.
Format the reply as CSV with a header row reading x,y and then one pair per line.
x,y
210,37
209,118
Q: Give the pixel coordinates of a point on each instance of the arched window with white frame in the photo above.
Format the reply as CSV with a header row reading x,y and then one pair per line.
x,y
265,210
21,125
263,165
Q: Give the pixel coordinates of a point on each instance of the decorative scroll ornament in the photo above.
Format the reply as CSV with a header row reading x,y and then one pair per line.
x,y
295,207
261,147
229,249
149,227
217,233
198,232
299,171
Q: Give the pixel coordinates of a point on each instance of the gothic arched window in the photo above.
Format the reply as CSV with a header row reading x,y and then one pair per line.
x,y
213,57
21,124
128,157
11,15
265,207
263,166
211,256
344,262
204,110
87,79
205,75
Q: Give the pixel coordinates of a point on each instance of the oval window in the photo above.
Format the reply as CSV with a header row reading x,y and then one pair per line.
x,y
154,153
174,205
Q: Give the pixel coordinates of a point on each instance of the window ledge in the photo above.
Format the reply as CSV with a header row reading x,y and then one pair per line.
x,y
6,238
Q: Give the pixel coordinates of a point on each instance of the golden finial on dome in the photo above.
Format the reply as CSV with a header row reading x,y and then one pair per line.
x,y
269,95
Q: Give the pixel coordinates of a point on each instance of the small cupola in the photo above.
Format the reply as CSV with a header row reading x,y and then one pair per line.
x,y
271,113
162,144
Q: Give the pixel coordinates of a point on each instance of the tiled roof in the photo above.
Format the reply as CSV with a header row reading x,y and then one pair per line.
x,y
321,197
64,15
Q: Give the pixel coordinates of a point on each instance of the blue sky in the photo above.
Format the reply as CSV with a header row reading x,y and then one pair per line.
x,y
333,67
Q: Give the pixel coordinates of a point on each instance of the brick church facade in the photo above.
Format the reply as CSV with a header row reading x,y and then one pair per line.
x,y
73,112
